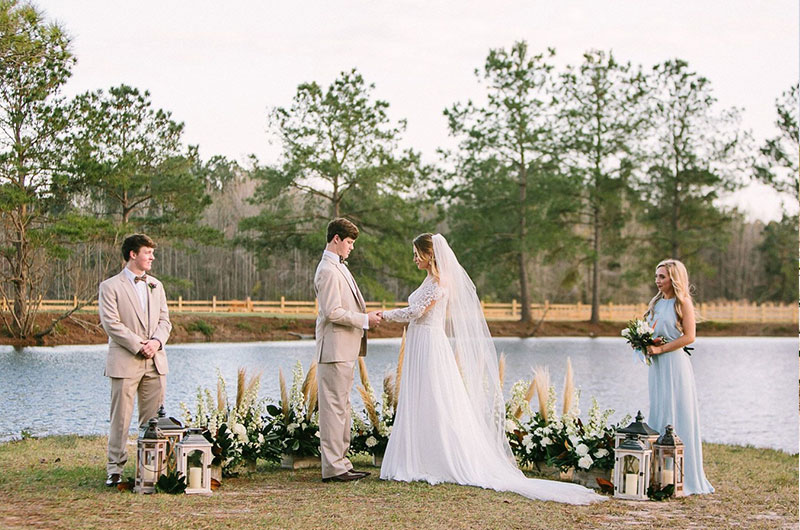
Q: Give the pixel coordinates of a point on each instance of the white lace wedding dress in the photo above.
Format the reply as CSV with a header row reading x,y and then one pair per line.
x,y
437,436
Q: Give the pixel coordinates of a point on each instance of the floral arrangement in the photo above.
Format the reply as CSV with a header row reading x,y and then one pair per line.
x,y
371,429
561,441
238,432
639,335
294,422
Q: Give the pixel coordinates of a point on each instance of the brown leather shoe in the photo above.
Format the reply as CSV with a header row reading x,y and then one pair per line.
x,y
362,473
113,479
347,476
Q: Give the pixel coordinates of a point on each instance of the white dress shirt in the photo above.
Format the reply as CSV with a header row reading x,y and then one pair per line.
x,y
139,287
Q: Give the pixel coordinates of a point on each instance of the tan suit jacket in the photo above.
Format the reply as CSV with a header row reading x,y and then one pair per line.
x,y
342,313
128,326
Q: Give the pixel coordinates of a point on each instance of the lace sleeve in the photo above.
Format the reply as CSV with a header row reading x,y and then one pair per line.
x,y
418,303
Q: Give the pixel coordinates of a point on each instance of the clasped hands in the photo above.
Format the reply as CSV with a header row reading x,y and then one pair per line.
x,y
149,348
375,318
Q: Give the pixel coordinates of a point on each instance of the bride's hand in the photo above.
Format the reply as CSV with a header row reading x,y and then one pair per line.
x,y
653,350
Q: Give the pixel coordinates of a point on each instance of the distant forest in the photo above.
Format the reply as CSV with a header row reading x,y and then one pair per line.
x,y
565,184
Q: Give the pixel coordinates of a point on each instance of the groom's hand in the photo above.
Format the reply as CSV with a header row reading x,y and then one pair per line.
x,y
375,318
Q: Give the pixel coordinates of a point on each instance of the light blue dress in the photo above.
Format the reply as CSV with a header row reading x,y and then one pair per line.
x,y
673,398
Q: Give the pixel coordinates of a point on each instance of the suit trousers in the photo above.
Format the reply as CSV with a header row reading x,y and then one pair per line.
x,y
335,380
149,386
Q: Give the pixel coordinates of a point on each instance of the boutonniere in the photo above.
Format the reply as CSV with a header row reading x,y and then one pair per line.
x,y
151,285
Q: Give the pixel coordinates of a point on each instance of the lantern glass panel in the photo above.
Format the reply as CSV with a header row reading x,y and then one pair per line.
x,y
195,471
630,466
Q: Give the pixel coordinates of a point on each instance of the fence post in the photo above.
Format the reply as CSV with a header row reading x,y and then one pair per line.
x,y
283,304
74,300
316,306
514,308
214,303
248,304
180,303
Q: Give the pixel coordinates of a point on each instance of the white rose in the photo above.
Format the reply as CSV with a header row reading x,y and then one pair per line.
x,y
547,430
239,429
316,434
626,333
546,441
601,453
371,441
585,462
510,426
582,449
291,427
574,440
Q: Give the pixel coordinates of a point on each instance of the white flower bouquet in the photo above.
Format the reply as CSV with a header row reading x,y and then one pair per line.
x,y
639,334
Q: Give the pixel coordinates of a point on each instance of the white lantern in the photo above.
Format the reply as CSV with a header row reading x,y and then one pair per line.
x,y
668,458
646,434
194,462
151,458
632,469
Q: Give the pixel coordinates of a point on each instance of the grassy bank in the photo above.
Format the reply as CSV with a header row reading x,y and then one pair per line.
x,y
57,483
84,328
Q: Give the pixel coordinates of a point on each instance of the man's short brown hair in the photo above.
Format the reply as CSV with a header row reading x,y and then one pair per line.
x,y
343,228
135,243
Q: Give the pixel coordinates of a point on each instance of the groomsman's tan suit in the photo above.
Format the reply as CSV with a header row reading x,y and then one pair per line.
x,y
128,325
341,336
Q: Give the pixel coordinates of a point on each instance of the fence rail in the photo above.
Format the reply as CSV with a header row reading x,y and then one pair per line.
x,y
718,312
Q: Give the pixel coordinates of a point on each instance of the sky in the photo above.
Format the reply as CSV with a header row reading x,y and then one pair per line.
x,y
219,67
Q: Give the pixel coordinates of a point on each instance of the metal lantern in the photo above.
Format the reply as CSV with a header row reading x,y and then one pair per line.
x,y
643,431
668,459
171,428
632,469
194,462
151,458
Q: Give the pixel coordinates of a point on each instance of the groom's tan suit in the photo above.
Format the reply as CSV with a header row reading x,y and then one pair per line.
x,y
129,323
341,336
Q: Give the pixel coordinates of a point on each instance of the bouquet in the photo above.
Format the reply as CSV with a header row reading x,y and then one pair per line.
x,y
639,335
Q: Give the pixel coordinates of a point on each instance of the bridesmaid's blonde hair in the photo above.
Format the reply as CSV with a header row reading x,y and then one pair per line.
x,y
680,284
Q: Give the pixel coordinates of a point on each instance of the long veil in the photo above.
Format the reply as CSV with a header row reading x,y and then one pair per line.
x,y
472,344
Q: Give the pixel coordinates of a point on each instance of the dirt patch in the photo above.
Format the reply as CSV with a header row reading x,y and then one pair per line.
x,y
84,328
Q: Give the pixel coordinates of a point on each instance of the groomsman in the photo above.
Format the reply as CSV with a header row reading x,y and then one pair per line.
x,y
341,334
133,312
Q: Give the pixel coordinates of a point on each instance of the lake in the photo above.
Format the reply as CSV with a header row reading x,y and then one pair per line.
x,y
747,386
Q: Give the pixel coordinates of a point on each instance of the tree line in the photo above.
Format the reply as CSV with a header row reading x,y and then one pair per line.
x,y
567,184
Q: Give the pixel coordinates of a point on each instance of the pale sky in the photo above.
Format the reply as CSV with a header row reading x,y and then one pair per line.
x,y
219,66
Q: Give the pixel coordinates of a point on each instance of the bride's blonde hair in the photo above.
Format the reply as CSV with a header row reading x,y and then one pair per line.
x,y
680,284
424,245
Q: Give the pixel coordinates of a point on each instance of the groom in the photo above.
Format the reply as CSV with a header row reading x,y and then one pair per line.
x,y
133,312
341,336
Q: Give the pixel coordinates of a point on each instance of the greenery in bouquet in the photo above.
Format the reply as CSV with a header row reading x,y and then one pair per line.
x,y
236,431
639,334
371,428
294,422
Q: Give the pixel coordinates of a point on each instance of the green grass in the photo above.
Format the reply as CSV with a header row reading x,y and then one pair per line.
x,y
56,482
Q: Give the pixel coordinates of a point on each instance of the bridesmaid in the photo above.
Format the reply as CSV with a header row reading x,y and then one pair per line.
x,y
673,399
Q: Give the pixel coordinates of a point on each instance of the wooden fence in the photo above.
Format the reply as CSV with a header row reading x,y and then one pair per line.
x,y
719,312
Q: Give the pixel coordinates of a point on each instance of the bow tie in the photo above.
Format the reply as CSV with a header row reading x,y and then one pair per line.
x,y
137,279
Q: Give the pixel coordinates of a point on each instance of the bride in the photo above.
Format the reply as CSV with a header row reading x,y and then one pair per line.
x,y
450,420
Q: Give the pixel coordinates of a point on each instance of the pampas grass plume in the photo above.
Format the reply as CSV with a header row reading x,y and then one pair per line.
x,y
569,388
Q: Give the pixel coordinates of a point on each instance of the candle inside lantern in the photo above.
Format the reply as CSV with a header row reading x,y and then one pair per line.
x,y
630,483
195,478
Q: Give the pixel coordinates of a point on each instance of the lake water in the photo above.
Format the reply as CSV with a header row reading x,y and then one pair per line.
x,y
747,387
